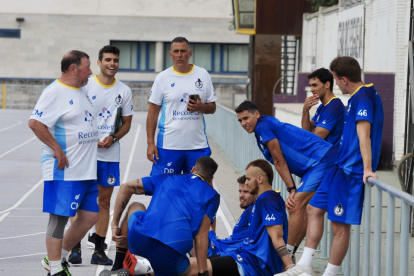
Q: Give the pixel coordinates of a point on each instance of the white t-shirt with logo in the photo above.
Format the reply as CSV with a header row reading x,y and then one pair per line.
x,y
178,128
106,99
70,117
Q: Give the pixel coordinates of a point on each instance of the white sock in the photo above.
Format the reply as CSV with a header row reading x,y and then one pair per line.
x,y
290,249
55,267
331,270
64,254
307,257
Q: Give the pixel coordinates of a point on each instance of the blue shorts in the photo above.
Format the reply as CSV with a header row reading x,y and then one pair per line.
x,y
177,161
313,177
341,195
164,260
108,174
213,246
64,198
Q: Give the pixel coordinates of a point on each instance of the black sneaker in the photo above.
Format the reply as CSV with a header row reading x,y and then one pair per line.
x,y
100,258
75,256
60,273
119,272
92,239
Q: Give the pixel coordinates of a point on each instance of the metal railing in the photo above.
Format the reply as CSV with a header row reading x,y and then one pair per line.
x,y
241,148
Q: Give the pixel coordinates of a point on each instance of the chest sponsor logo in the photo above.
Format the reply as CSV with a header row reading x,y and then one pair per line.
x,y
71,102
339,210
173,84
105,114
111,179
239,258
37,112
118,99
89,117
94,97
199,84
324,122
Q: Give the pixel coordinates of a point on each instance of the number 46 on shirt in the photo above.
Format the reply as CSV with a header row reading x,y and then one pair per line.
x,y
362,112
270,218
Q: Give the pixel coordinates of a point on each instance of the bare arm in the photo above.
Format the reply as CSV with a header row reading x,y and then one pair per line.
x,y
276,234
41,131
364,131
208,108
201,244
152,118
321,132
282,168
122,131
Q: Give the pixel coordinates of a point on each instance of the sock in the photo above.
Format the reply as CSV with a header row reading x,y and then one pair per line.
x,y
290,249
295,249
331,270
55,267
119,258
99,242
307,257
64,254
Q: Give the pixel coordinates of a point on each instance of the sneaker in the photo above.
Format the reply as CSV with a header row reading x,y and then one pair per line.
x,y
100,258
60,273
119,272
92,239
298,270
293,259
45,263
65,266
75,256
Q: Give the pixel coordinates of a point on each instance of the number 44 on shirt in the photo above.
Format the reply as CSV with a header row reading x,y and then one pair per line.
x,y
269,218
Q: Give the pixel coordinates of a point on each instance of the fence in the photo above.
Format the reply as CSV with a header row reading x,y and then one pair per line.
x,y
242,148
25,96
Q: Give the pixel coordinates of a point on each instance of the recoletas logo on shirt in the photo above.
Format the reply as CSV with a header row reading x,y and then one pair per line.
x,y
105,114
88,117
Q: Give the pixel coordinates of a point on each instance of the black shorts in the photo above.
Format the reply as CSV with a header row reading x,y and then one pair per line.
x,y
224,266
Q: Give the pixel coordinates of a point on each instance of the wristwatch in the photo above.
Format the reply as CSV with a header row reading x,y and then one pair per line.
x,y
205,273
113,138
291,188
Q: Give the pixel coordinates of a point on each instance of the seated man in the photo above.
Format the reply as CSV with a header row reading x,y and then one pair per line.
x,y
181,211
218,246
263,252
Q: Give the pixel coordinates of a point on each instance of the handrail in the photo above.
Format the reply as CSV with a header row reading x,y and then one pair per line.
x,y
392,191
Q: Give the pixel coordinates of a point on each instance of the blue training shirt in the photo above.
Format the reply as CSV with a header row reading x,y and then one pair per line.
x,y
301,149
364,104
331,117
177,209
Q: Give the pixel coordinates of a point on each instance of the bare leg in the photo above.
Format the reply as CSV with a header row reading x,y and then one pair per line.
x,y
79,228
340,242
105,194
54,249
135,206
315,226
297,217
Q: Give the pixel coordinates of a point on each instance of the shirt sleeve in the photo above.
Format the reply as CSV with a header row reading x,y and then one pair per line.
x,y
327,119
264,132
210,93
47,110
212,207
127,106
364,108
157,92
269,212
150,183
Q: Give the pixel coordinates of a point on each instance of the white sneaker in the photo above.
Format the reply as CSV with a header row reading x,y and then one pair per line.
x,y
298,270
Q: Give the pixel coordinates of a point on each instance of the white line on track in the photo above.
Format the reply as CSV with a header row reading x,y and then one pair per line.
x,y
221,214
4,216
6,128
21,256
22,236
21,199
15,148
108,238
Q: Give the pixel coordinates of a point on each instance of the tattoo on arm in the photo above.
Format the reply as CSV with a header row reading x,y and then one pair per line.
x,y
282,251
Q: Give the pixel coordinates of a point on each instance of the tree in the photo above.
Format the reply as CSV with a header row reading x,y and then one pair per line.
x,y
322,3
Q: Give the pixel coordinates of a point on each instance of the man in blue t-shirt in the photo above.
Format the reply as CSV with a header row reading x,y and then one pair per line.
x,y
217,246
181,211
341,192
263,252
291,150
328,121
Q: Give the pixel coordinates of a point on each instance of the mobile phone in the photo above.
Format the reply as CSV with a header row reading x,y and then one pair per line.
x,y
193,97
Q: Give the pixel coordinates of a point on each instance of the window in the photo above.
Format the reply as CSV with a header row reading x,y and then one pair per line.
x,y
136,56
215,57
10,33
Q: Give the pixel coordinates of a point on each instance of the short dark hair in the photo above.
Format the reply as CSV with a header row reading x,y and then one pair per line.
x,y
180,39
241,179
72,57
207,166
347,67
108,49
264,166
247,105
323,75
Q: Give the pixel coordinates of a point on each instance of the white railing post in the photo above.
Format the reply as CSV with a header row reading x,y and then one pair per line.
x,y
389,255
377,232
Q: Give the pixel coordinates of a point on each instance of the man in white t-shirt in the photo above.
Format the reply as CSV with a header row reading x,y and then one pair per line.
x,y
107,95
181,137
64,119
